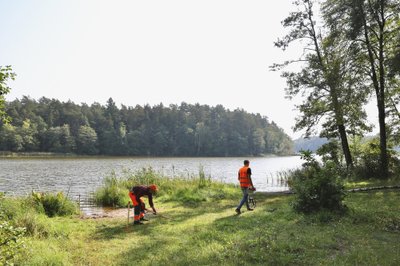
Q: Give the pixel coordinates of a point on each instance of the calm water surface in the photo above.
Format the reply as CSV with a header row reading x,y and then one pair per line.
x,y
81,176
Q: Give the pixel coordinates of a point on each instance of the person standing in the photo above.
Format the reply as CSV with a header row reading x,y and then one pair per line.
x,y
244,177
139,207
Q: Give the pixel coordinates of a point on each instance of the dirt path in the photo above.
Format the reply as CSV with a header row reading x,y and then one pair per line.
x,y
98,212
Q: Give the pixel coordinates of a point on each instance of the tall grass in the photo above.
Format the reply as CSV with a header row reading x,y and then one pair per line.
x,y
187,190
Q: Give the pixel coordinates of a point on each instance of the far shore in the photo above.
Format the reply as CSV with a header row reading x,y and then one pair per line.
x,y
16,155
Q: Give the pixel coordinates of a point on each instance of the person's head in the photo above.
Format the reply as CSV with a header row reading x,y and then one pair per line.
x,y
153,188
246,162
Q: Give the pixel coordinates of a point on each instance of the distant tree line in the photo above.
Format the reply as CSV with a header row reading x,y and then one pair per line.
x,y
49,125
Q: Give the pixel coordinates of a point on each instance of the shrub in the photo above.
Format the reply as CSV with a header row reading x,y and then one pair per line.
x,y
317,187
54,204
367,160
331,152
11,242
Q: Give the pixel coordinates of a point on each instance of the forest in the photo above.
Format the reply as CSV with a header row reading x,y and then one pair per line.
x,y
49,125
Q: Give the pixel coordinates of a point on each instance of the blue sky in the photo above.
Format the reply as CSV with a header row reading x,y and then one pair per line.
x,y
138,52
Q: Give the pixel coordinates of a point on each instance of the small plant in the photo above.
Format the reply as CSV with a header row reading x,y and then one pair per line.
x,y
317,187
203,180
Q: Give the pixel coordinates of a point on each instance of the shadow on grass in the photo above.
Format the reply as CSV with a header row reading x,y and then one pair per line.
x,y
179,241
120,230
175,216
261,237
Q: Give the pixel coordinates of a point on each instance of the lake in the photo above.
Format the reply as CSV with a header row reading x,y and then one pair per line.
x,y
82,176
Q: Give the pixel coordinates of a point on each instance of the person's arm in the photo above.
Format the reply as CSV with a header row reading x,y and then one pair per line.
x,y
151,203
249,176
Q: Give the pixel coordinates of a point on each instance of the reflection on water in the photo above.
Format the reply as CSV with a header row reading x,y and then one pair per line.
x,y
79,177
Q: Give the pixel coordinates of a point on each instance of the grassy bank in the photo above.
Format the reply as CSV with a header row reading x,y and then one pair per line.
x,y
209,233
184,190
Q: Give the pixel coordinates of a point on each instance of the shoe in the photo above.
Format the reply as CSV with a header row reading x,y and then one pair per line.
x,y
250,209
137,222
238,211
144,219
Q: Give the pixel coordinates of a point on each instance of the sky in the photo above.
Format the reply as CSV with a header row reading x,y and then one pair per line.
x,y
150,52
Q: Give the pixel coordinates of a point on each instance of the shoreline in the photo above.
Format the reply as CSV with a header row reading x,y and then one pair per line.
x,y
16,155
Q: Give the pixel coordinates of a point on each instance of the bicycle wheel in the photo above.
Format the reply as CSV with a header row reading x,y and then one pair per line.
x,y
252,202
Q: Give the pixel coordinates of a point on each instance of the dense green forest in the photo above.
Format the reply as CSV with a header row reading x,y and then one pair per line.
x,y
49,125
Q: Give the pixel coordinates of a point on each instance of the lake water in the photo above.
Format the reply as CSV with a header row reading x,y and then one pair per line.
x,y
82,176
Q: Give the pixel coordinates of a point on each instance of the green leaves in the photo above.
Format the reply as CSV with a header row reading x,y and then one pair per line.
x,y
6,74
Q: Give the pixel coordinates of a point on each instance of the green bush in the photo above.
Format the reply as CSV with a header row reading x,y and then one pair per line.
x,y
331,152
54,204
11,242
317,187
367,160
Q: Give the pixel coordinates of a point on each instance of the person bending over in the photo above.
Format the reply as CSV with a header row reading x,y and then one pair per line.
x,y
136,193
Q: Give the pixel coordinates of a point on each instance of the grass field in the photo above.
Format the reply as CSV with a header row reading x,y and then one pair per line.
x,y
209,233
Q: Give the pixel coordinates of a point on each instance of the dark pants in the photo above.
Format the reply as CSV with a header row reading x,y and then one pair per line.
x,y
138,206
245,191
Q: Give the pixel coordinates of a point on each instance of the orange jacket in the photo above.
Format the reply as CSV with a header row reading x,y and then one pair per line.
x,y
244,177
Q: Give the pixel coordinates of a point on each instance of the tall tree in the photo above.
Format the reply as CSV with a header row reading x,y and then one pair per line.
x,y
326,79
86,140
371,26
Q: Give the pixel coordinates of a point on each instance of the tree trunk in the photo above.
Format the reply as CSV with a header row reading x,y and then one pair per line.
x,y
340,124
379,86
381,98
383,137
345,146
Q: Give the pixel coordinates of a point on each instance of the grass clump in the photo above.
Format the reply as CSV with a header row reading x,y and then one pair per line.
x,y
54,204
113,193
